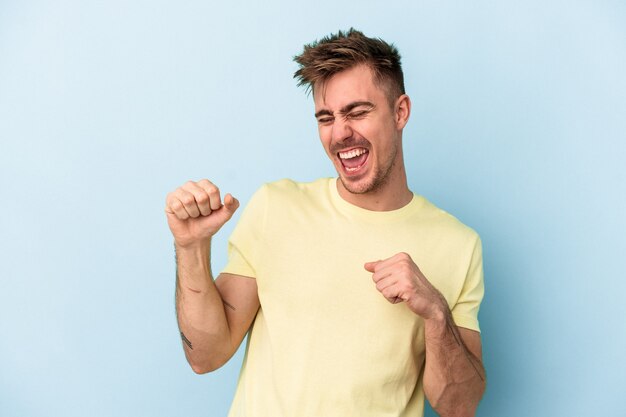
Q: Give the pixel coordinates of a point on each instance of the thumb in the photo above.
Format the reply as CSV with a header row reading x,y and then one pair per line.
x,y
371,266
224,213
231,204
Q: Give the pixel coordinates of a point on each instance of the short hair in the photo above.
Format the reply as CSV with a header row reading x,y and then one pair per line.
x,y
322,59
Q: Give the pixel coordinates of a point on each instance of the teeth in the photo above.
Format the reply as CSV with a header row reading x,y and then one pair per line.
x,y
351,154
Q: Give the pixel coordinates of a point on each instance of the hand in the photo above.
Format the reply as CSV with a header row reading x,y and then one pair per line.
x,y
399,279
195,212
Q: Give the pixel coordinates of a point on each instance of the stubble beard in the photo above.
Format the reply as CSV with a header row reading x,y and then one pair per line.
x,y
379,180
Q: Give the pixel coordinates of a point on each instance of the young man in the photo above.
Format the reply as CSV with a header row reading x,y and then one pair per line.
x,y
359,296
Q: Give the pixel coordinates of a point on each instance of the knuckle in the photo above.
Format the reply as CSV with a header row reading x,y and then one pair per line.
x,y
187,199
202,198
173,196
181,213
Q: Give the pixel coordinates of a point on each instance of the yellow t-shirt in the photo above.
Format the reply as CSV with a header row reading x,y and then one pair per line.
x,y
325,342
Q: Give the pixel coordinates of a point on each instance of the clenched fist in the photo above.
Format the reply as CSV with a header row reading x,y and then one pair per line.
x,y
399,279
195,212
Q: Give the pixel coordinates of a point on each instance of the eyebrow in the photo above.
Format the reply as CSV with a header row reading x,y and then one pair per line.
x,y
345,109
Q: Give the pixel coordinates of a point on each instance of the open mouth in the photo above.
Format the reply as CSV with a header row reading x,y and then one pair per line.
x,y
353,160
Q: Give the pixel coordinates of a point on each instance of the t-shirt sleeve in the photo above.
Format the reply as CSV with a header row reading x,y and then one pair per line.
x,y
245,241
465,311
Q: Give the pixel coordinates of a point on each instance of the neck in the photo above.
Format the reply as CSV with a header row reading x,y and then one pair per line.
x,y
392,195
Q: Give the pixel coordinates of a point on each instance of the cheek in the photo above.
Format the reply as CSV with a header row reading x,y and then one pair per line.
x,y
324,133
324,139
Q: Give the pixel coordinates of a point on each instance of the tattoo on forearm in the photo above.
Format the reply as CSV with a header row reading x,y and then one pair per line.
x,y
227,304
187,341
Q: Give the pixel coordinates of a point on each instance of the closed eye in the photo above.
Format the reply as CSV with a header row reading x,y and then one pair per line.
x,y
325,120
357,114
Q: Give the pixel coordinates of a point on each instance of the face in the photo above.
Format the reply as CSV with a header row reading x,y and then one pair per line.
x,y
359,129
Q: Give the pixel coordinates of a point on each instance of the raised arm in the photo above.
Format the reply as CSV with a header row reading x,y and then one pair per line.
x,y
213,317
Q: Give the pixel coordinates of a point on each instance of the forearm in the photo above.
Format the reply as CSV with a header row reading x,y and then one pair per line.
x,y
200,310
454,378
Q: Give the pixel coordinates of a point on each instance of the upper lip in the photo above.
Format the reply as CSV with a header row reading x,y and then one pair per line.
x,y
351,149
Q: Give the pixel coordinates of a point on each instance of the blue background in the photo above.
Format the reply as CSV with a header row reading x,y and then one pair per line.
x,y
518,128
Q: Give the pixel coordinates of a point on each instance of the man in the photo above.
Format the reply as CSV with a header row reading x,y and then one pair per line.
x,y
360,297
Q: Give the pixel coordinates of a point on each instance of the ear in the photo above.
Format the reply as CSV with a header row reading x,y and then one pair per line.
x,y
402,111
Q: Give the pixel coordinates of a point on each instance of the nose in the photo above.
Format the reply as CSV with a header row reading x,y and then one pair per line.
x,y
341,130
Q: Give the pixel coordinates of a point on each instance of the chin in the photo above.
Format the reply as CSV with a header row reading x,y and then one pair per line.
x,y
358,186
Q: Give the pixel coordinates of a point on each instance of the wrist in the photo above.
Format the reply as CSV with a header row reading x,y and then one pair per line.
x,y
193,266
436,325
196,246
193,256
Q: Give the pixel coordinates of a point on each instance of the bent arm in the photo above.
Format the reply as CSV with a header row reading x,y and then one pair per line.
x,y
213,317
454,376
210,334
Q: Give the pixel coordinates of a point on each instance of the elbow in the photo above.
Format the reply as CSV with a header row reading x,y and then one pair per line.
x,y
201,367
205,359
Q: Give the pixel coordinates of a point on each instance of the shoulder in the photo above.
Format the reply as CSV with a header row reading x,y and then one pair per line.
x,y
287,185
289,199
287,189
446,224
